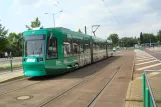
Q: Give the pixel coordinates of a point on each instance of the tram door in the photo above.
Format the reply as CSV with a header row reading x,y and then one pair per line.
x,y
81,56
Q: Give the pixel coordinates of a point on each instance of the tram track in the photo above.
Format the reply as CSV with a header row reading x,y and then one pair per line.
x,y
81,82
94,100
17,88
86,75
23,83
12,85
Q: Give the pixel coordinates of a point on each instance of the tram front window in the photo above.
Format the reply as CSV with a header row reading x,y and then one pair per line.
x,y
34,45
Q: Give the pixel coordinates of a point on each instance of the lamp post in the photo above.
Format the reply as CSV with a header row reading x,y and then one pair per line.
x,y
53,16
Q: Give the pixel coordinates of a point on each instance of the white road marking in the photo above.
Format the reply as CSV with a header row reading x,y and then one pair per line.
x,y
140,56
146,67
144,55
146,62
144,59
150,74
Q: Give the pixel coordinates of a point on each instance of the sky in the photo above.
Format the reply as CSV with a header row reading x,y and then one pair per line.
x,y
127,18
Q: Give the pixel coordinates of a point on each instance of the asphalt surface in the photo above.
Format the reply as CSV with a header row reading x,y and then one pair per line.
x,y
154,54
42,89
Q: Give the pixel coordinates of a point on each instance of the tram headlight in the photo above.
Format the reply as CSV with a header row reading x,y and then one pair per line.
x,y
40,59
24,59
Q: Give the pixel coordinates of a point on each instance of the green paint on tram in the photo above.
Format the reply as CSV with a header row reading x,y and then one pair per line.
x,y
51,51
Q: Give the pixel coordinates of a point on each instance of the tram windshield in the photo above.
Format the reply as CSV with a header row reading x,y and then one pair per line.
x,y
34,45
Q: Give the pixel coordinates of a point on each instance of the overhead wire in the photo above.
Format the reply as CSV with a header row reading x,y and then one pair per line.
x,y
56,5
111,12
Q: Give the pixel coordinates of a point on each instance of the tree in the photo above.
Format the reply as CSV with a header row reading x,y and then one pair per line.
x,y
114,38
12,43
12,37
149,38
79,31
3,40
34,24
158,36
141,38
128,41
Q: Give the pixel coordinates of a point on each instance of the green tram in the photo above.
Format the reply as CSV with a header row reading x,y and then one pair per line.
x,y
51,51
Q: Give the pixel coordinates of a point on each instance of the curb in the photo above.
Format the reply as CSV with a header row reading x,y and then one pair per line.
x,y
11,76
132,70
12,79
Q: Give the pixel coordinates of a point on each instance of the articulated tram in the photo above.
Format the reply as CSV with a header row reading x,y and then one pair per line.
x,y
51,51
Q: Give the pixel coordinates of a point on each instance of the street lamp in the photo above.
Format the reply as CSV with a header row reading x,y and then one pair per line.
x,y
53,16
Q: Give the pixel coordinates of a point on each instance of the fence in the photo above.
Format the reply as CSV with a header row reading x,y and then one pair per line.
x,y
10,64
148,96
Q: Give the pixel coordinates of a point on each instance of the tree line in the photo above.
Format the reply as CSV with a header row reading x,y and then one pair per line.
x,y
9,40
150,38
144,38
124,41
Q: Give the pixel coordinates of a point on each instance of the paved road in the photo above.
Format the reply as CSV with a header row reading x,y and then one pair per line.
x,y
156,54
42,89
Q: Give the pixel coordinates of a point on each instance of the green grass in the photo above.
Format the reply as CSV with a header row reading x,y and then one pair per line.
x,y
7,67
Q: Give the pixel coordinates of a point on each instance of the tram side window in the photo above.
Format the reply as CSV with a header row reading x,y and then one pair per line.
x,y
52,51
105,47
75,47
97,48
67,48
81,48
101,47
109,47
94,47
86,48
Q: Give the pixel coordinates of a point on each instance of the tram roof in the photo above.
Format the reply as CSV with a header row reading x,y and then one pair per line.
x,y
75,35
78,35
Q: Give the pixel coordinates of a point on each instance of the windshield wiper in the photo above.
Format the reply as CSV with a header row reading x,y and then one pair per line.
x,y
33,48
38,49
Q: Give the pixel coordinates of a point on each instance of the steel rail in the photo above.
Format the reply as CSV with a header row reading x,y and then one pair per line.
x,y
59,95
91,104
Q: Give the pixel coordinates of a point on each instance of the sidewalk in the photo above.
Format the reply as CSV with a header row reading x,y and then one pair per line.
x,y
134,97
155,49
5,76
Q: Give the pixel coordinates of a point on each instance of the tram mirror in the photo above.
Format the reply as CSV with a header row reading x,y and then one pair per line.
x,y
50,38
51,34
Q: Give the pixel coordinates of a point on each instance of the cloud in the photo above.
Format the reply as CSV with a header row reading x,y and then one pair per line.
x,y
21,5
133,16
